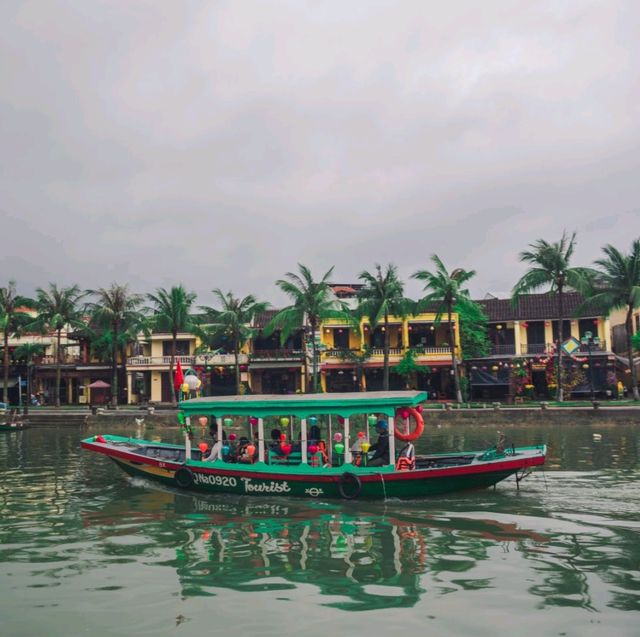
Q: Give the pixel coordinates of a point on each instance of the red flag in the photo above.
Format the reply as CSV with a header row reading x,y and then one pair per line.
x,y
178,376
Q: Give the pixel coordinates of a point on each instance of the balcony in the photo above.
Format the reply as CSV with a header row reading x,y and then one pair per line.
x,y
535,348
276,355
66,359
221,359
159,361
503,350
395,353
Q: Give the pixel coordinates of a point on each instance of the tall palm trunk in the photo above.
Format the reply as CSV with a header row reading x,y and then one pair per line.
x,y
27,401
314,350
385,354
58,370
174,338
114,367
236,347
632,367
5,363
559,390
454,362
123,376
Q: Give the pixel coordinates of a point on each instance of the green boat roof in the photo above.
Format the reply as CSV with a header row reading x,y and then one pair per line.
x,y
303,405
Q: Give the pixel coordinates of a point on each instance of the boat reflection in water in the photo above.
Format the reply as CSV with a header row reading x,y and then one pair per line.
x,y
366,557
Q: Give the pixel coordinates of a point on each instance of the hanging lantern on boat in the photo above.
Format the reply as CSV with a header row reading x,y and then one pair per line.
x,y
192,382
341,420
313,449
253,421
404,413
312,420
284,421
232,437
203,420
362,435
337,437
185,388
251,449
339,448
283,437
225,450
372,420
365,446
203,446
227,422
419,409
286,449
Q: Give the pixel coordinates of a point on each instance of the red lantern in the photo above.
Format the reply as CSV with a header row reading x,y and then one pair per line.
x,y
361,434
313,449
419,409
232,437
253,421
341,420
286,449
203,446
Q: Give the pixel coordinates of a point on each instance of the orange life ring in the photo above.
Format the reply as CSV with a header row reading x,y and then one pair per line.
x,y
417,432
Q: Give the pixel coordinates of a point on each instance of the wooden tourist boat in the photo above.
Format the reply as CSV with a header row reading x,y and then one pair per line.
x,y
14,425
324,469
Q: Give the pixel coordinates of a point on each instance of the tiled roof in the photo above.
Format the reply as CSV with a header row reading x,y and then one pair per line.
x,y
531,307
262,319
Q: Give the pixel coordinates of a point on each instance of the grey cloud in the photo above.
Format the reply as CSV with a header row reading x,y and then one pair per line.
x,y
219,144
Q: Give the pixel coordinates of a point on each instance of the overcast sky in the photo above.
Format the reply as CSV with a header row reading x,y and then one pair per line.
x,y
218,144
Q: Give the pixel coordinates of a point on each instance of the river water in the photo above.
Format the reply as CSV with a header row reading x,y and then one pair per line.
x,y
86,550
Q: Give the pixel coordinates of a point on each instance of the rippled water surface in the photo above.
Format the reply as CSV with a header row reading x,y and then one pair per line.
x,y
87,551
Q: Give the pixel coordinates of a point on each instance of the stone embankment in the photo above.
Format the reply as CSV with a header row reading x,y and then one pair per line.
x,y
433,417
523,416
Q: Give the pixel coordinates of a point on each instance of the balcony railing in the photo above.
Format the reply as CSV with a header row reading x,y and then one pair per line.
x,y
535,348
277,355
503,350
221,359
152,361
64,360
393,351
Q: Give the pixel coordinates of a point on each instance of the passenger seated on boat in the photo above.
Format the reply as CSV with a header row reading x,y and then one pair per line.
x,y
314,434
216,449
274,445
407,458
213,427
381,446
242,455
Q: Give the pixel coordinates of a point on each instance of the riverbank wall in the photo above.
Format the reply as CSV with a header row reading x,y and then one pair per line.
x,y
433,417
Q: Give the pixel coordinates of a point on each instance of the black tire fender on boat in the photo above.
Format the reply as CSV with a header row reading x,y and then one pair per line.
x,y
183,477
349,485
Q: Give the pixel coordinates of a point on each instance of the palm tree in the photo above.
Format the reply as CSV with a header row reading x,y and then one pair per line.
x,y
550,266
27,352
382,296
118,310
171,314
58,308
616,286
233,320
12,318
445,290
313,301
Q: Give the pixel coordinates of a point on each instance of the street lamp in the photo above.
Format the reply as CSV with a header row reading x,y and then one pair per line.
x,y
589,340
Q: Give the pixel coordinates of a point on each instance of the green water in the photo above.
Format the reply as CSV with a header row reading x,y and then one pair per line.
x,y
87,551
